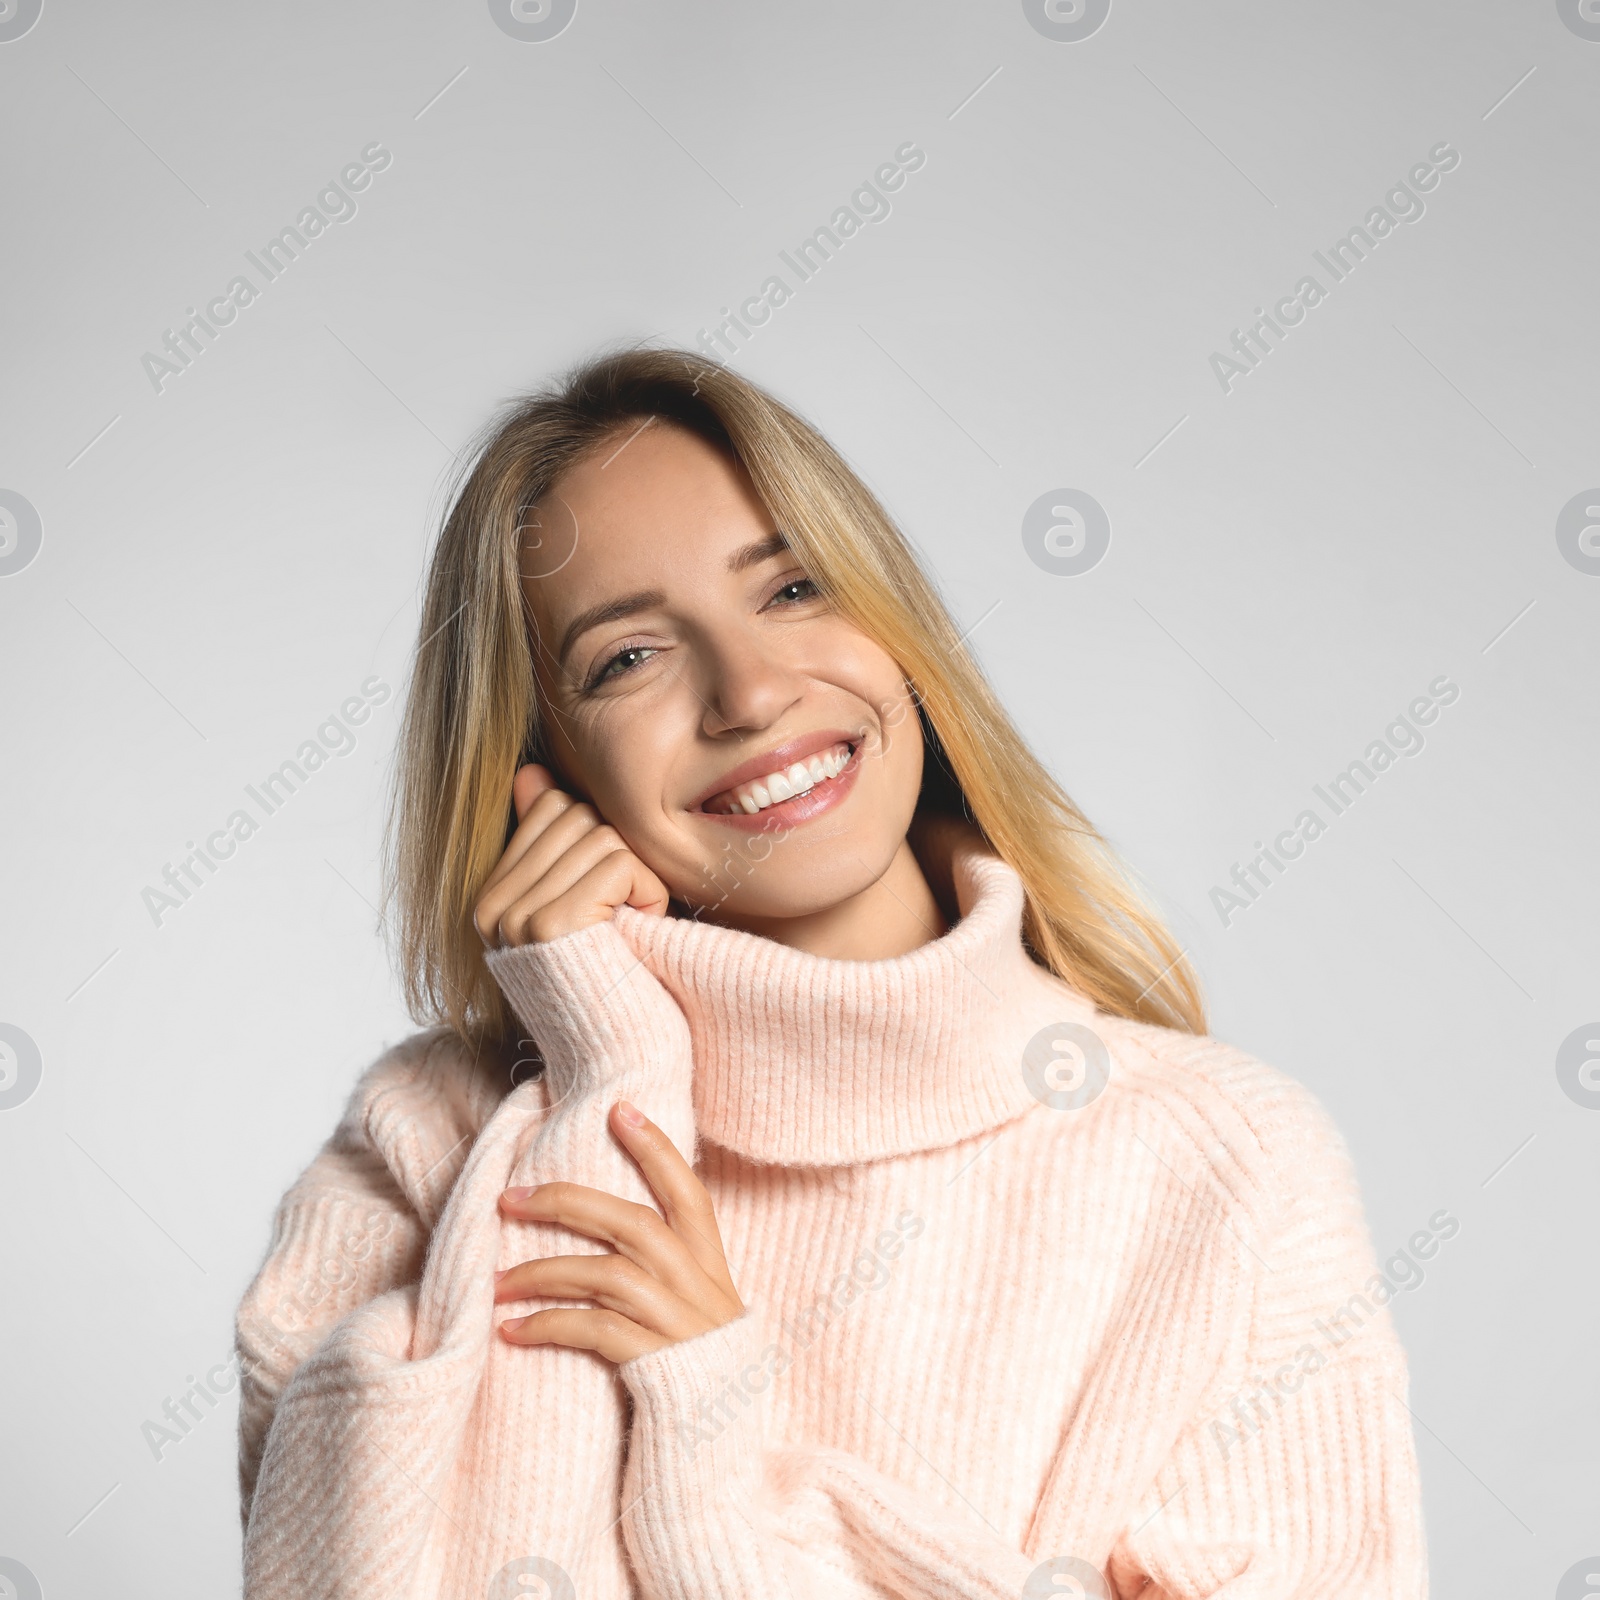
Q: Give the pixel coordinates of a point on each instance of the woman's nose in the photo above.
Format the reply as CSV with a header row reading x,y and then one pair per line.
x,y
747,683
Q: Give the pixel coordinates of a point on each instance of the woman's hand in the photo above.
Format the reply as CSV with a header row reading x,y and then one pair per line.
x,y
564,869
665,1280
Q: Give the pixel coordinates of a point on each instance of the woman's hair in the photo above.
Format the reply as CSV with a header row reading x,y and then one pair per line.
x,y
473,713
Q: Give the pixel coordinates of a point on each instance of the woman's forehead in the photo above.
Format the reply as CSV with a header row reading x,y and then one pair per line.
x,y
668,508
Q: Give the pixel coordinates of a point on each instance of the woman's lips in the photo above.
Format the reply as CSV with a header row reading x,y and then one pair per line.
x,y
781,757
821,796
782,783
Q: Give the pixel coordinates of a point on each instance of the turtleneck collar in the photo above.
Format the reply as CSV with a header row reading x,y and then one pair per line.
x,y
808,1061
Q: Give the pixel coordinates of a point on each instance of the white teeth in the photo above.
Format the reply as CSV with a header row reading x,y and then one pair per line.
x,y
785,785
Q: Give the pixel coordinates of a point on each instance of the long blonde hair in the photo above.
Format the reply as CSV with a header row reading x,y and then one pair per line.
x,y
473,714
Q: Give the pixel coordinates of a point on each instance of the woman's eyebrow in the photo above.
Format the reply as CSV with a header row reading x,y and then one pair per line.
x,y
628,605
752,555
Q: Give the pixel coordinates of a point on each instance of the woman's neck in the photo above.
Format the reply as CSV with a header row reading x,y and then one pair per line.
x,y
895,913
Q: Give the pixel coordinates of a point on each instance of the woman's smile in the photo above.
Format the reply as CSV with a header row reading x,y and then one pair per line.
x,y
784,797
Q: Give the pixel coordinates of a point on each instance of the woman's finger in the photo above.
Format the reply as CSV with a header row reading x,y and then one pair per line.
x,y
552,821
562,824
684,1200
530,782
548,812
607,1333
564,866
613,1283
619,877
636,1231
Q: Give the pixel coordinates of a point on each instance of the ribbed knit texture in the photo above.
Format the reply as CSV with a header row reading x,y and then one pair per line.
x,y
990,1324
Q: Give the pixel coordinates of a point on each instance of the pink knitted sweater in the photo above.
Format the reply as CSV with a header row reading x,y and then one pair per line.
x,y
1035,1297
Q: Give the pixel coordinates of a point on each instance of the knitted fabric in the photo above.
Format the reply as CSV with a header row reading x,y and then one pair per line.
x,y
1034,1295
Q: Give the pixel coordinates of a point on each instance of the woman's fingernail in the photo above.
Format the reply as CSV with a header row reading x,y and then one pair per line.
x,y
630,1113
499,1275
516,1194
511,1324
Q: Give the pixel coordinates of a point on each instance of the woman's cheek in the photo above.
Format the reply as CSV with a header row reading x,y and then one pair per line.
x,y
621,757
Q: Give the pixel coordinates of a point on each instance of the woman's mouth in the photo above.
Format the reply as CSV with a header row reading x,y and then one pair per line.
x,y
791,794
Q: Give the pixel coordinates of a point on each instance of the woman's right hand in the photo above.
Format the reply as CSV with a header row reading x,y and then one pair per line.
x,y
564,869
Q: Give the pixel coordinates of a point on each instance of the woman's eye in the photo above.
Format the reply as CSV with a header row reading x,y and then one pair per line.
x,y
798,583
606,673
619,665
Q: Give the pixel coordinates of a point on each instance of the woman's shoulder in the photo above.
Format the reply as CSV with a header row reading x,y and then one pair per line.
x,y
1205,1069
432,1072
422,1101
1266,1139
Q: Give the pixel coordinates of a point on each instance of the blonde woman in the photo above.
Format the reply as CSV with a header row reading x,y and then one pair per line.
x,y
817,1178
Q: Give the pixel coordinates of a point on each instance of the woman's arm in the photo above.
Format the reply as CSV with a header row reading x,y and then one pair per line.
x,y
413,1453
1262,1459
699,1499
1323,1505
343,1234
1296,1473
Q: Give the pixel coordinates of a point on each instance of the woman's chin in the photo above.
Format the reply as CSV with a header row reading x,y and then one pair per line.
x,y
760,906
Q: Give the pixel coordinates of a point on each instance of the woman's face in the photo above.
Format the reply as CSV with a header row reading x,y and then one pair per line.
x,y
682,656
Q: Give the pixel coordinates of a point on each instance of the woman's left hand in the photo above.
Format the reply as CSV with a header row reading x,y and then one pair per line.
x,y
665,1278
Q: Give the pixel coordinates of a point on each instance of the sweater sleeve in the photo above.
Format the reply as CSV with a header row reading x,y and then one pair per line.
x,y
1288,1474
714,1511
1296,1474
343,1235
413,1453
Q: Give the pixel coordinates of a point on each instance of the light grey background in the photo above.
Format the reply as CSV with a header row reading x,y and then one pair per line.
x,y
1375,505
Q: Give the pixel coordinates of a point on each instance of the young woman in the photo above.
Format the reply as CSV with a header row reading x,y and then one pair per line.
x,y
817,1179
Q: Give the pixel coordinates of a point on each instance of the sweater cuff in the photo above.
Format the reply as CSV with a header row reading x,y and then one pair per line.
x,y
699,1429
590,1004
